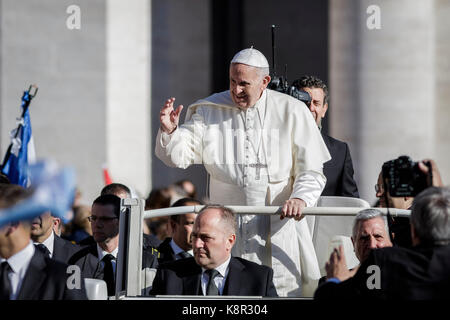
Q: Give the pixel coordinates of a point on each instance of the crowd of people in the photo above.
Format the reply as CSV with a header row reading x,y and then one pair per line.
x,y
195,244
260,148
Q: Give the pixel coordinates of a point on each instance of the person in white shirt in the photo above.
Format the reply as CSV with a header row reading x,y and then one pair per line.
x,y
260,148
25,272
44,237
105,230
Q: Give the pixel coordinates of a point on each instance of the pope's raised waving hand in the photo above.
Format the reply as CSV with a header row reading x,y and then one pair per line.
x,y
168,117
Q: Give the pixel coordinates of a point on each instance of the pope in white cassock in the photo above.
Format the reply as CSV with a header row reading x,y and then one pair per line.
x,y
260,148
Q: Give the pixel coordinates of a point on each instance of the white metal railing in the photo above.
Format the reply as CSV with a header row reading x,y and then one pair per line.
x,y
129,276
274,210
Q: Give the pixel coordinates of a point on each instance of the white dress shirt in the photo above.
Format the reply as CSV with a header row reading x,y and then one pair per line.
x,y
19,265
101,253
219,280
49,243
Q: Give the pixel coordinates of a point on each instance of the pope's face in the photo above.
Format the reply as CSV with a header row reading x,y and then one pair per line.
x,y
246,85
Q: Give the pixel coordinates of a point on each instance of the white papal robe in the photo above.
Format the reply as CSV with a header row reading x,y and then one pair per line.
x,y
280,135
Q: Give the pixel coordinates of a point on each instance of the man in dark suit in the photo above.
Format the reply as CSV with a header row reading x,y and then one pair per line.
x,y
370,231
422,272
48,242
179,246
339,170
105,229
25,272
62,250
212,270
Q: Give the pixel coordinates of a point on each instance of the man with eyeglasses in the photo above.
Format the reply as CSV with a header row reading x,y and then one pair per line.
x,y
105,230
105,224
400,226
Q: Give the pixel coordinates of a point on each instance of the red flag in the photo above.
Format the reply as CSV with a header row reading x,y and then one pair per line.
x,y
106,177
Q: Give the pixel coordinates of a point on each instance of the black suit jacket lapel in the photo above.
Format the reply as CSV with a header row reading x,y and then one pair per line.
x,y
235,279
87,259
93,250
63,250
190,273
34,278
327,141
166,250
98,271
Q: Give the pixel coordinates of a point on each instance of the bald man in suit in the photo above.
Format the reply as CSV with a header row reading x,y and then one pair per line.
x,y
212,270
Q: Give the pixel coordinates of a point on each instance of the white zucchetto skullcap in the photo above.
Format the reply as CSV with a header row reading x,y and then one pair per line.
x,y
251,57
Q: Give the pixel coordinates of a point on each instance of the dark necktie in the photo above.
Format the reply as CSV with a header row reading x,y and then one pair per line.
x,y
5,289
42,248
211,289
109,274
184,255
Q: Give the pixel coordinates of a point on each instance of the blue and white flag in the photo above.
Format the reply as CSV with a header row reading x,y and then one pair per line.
x,y
22,152
53,190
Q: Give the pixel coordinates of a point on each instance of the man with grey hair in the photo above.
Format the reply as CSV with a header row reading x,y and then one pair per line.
x,y
260,148
419,273
370,231
212,270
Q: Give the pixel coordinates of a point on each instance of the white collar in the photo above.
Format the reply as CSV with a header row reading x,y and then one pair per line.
x,y
259,105
21,259
49,243
223,268
101,253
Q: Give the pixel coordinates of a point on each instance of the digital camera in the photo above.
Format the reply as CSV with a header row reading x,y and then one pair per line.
x,y
281,85
404,177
